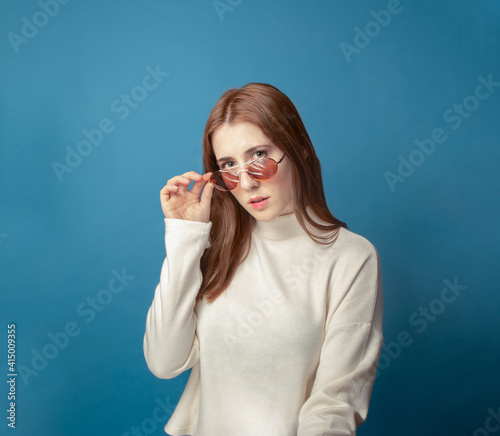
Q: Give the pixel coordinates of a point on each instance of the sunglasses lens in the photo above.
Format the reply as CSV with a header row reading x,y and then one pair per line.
x,y
225,181
263,169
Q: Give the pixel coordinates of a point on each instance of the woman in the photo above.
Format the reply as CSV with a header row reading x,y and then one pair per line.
x,y
272,302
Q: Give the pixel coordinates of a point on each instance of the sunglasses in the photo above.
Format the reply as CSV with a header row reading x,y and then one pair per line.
x,y
259,169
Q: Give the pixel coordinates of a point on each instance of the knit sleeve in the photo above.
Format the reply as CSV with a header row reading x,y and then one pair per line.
x,y
338,403
171,345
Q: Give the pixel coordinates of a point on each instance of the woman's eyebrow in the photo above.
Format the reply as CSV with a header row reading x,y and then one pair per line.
x,y
249,151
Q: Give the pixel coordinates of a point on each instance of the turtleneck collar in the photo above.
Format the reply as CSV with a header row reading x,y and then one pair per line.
x,y
283,226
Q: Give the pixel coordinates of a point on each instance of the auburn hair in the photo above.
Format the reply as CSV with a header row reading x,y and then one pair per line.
x,y
230,235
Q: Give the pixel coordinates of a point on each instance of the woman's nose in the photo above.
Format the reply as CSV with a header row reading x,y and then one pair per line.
x,y
246,181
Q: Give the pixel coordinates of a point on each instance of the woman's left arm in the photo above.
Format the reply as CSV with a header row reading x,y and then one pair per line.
x,y
341,392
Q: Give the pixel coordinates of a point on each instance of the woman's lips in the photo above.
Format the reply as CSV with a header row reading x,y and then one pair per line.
x,y
260,204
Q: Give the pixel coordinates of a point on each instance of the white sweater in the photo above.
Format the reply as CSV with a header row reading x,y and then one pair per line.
x,y
289,349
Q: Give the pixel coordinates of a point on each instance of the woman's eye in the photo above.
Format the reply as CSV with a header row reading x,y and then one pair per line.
x,y
260,154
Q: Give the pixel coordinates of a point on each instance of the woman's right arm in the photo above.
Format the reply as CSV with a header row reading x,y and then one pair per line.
x,y
170,342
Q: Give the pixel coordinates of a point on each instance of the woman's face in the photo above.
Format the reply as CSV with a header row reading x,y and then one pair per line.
x,y
242,142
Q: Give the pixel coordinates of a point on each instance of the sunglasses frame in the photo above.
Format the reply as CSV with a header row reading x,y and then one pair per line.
x,y
237,173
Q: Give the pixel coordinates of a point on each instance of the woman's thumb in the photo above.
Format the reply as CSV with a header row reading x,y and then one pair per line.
x,y
206,196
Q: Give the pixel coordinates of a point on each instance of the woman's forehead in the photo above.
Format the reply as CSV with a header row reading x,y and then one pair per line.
x,y
233,140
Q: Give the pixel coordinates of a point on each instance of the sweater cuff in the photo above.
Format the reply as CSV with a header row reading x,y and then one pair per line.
x,y
187,232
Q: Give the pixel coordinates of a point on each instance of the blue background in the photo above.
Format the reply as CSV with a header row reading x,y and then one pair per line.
x,y
62,237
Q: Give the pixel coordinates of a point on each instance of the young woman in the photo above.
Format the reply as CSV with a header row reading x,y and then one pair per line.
x,y
268,298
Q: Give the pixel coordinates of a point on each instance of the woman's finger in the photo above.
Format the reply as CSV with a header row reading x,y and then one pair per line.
x,y
193,175
189,175
171,188
206,197
198,185
186,178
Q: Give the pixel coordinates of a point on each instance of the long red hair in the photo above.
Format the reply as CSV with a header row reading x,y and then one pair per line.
x,y
230,236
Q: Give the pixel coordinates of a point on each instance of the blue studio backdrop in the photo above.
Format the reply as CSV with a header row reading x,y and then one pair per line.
x,y
102,102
